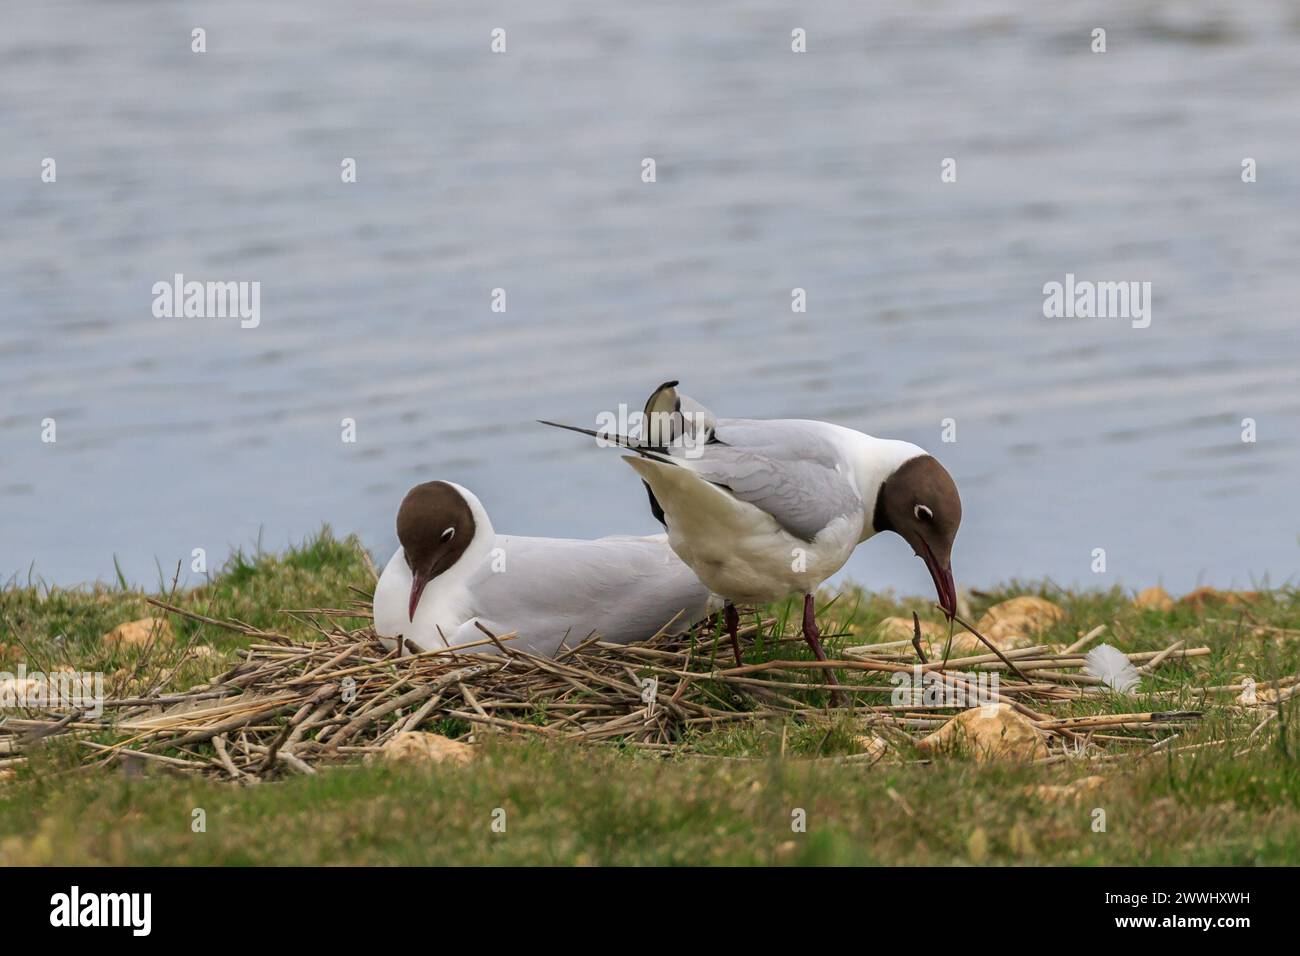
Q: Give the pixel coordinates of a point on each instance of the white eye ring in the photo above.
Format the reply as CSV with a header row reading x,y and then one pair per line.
x,y
923,513
448,535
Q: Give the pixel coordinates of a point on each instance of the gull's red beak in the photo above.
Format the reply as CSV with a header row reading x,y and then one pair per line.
x,y
944,585
947,589
418,581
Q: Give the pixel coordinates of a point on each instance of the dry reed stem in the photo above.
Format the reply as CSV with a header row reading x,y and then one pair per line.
x,y
291,707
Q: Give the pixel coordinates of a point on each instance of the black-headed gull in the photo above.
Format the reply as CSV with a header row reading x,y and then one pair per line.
x,y
760,509
453,572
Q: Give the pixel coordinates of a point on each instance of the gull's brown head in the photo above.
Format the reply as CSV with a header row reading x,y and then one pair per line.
x,y
434,525
919,502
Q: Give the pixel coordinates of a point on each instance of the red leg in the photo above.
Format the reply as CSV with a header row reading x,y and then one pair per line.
x,y
731,617
812,634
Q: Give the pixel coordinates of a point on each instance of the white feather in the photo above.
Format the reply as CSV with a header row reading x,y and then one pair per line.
x,y
1112,667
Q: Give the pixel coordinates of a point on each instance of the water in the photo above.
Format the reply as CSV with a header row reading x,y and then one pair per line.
x,y
775,170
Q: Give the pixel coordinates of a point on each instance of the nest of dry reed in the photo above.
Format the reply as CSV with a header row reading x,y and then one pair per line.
x,y
291,706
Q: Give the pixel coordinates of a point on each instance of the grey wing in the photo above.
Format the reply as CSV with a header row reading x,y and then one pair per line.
x,y
794,474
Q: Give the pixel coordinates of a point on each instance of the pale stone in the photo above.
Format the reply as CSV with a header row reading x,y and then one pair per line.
x,y
415,746
1154,599
989,733
1016,622
900,629
1204,596
140,633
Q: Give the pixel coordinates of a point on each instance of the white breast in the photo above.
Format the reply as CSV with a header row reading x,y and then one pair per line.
x,y
445,605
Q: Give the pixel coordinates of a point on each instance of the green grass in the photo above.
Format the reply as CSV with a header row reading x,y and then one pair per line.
x,y
569,805
49,627
733,804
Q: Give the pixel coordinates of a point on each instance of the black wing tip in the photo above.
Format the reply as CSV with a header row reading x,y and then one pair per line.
x,y
572,428
619,441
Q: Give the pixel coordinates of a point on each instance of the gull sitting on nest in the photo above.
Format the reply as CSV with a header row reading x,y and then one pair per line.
x,y
454,580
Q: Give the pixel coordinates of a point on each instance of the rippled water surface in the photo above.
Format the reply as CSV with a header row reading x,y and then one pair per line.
x,y
522,171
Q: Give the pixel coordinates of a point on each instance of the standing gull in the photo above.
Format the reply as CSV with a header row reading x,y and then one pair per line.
x,y
453,573
760,509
